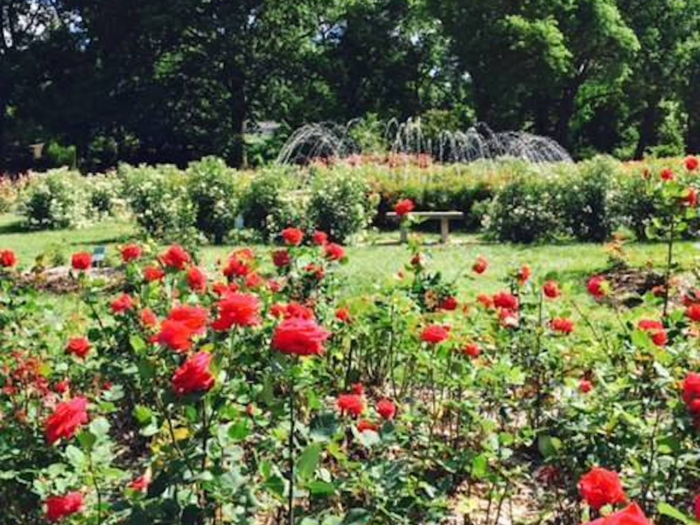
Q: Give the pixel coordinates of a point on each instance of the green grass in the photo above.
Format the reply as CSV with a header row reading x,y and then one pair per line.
x,y
373,264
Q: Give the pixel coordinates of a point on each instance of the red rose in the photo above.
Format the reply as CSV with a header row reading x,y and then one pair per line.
x,y
551,290
78,346
696,507
302,337
8,259
386,408
691,392
485,300
359,389
690,198
366,425
122,304
320,238
81,261
562,325
176,257
153,273
237,309
300,311
254,281
275,285
506,301
148,318
600,487
292,236
59,507
524,274
598,286
585,386
351,404
480,265
181,326
281,258
343,315
240,263
691,164
508,318
194,375
66,420
141,483
131,252
449,303
435,334
656,331
693,313
62,386
197,280
667,174
404,207
472,350
334,252
632,515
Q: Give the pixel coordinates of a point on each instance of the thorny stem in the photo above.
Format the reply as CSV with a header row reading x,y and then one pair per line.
x,y
290,503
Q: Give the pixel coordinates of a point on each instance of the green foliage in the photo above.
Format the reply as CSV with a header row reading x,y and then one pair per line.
x,y
212,188
340,203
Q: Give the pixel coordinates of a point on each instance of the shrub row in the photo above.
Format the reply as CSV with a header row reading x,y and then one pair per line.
x,y
509,201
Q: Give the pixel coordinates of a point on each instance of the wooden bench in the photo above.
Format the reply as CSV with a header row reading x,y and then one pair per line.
x,y
443,216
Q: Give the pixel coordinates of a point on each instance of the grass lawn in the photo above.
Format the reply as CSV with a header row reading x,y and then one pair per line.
x,y
375,263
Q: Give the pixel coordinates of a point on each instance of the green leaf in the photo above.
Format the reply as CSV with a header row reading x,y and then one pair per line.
x,y
143,415
320,488
480,466
239,430
308,461
667,510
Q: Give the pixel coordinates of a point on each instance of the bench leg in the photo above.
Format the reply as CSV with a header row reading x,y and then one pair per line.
x,y
444,230
404,233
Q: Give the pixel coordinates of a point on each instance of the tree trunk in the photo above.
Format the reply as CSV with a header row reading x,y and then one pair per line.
x,y
567,108
648,128
239,114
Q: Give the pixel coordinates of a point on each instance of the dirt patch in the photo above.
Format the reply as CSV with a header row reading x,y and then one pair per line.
x,y
60,280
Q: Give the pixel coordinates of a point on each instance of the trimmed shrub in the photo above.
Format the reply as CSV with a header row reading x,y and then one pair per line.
x,y
106,194
212,189
159,200
341,203
57,199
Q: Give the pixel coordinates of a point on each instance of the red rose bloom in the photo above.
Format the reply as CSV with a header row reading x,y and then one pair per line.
x,y
524,274
656,331
562,325
298,310
551,290
435,334
334,252
176,258
359,389
449,303
292,236
485,300
254,281
181,326
281,258
696,507
148,318
320,238
472,350
8,259
667,174
632,515
197,280
506,301
366,425
691,392
194,375
386,408
78,346
237,309
404,207
131,252
343,315
597,286
508,318
600,487
240,263
122,304
302,337
351,405
66,420
693,313
691,164
194,317
153,273
141,483
690,199
481,265
585,386
59,507
81,261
